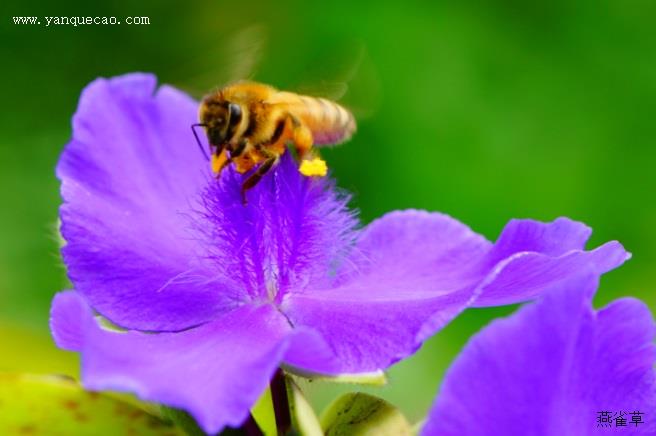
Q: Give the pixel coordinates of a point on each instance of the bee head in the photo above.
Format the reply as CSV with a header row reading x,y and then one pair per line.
x,y
219,117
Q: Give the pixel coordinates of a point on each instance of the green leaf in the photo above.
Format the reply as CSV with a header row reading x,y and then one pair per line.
x,y
27,350
106,324
374,378
53,405
360,414
183,420
263,413
304,420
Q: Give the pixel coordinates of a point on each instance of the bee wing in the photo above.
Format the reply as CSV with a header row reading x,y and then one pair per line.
x,y
346,74
343,73
239,54
332,90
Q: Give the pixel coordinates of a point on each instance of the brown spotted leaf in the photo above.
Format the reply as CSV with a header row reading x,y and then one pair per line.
x,y
52,405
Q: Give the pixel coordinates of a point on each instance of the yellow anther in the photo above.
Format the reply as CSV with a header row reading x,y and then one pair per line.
x,y
313,167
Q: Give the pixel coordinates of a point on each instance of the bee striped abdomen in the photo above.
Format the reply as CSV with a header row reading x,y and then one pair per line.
x,y
329,122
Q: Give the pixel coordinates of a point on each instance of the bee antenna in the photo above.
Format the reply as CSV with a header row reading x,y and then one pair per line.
x,y
200,145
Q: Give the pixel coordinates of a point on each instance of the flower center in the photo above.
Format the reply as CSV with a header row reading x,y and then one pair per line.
x,y
271,290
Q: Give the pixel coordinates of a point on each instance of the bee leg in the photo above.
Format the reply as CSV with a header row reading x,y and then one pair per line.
x,y
254,178
310,164
302,137
239,149
219,161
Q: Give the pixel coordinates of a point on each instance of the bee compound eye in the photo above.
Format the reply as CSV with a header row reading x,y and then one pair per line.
x,y
235,113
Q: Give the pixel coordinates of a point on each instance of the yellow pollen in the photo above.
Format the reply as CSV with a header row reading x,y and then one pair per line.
x,y
314,167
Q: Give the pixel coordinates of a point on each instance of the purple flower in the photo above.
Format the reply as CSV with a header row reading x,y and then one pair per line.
x,y
215,295
556,367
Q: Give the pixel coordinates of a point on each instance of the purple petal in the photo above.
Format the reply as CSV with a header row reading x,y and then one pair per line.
x,y
412,272
526,275
551,368
419,283
129,177
215,371
292,233
530,255
553,239
366,334
67,317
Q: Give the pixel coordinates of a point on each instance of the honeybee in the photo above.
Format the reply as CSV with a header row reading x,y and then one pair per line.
x,y
251,124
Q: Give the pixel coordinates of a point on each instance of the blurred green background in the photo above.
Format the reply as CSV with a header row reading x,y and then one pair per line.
x,y
485,110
